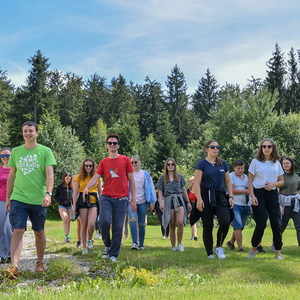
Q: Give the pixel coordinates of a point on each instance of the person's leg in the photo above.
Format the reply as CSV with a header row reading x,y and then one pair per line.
x,y
179,221
240,216
286,217
207,221
120,207
40,243
223,215
92,216
4,252
142,213
65,218
133,225
172,228
78,230
194,230
83,213
16,245
105,219
69,220
296,219
7,231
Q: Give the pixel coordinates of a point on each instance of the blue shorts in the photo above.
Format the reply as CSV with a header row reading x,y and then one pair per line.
x,y
19,213
66,207
240,217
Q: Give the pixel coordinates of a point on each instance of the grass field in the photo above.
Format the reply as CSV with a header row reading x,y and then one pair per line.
x,y
159,273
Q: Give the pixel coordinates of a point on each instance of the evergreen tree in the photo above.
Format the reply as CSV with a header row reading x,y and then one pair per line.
x,y
276,77
206,96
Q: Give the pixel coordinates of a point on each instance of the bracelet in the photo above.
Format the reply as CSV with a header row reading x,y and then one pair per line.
x,y
230,197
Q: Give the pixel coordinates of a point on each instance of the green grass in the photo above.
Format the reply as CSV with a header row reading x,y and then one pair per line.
x,y
159,273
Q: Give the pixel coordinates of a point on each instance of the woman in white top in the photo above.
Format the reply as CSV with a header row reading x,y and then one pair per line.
x,y
265,176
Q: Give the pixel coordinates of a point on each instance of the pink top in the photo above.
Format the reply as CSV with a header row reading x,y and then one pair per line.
x,y
139,179
3,181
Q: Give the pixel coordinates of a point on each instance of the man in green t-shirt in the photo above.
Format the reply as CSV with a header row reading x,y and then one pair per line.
x,y
29,190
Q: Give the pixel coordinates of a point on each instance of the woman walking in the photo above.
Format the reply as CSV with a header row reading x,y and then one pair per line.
x,y
210,174
192,197
265,176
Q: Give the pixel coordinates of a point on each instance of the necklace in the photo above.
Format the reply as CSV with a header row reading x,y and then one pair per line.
x,y
211,162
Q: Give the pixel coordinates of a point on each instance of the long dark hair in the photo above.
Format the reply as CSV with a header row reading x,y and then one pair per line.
x,y
67,174
83,173
274,155
166,172
292,169
219,161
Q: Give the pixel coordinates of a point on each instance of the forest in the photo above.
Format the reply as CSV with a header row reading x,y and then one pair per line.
x,y
154,120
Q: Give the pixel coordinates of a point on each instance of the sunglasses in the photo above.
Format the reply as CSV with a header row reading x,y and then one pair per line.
x,y
88,166
134,162
214,147
267,146
5,155
112,143
169,165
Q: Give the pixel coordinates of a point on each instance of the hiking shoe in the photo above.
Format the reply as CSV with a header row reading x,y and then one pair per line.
x,y
219,251
260,249
85,251
174,249
241,250
135,246
273,249
211,256
230,245
10,272
67,240
39,268
251,254
194,238
90,244
142,247
105,253
180,248
113,259
279,256
78,244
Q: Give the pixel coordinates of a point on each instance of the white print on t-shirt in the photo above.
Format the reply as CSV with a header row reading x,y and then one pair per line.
x,y
113,174
28,164
222,170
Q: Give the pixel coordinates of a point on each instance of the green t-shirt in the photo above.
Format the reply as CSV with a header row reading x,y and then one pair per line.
x,y
30,181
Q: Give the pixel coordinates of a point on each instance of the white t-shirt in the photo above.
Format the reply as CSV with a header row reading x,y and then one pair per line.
x,y
239,184
265,172
139,179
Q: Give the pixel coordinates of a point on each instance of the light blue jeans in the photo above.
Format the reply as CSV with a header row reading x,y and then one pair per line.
x,y
5,231
140,217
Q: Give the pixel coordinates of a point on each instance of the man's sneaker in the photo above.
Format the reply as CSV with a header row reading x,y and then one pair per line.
x,y
39,268
230,245
279,256
194,238
10,272
174,249
260,249
180,248
78,244
251,254
135,246
273,249
142,247
105,253
241,250
219,251
211,256
67,240
85,251
90,244
113,259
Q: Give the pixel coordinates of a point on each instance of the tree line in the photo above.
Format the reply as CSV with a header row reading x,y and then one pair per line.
x,y
75,115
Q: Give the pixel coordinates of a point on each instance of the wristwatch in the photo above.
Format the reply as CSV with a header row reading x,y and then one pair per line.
x,y
49,193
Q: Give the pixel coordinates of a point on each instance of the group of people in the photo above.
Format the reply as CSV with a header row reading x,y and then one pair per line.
x,y
26,183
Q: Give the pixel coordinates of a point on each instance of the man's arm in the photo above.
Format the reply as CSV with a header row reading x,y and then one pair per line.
x,y
49,185
132,189
91,183
10,184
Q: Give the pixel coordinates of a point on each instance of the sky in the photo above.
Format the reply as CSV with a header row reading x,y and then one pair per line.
x,y
138,38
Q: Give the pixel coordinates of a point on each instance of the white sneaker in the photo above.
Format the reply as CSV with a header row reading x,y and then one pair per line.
x,y
211,256
251,254
180,248
85,251
97,235
219,251
135,246
279,256
113,259
174,249
273,249
90,244
105,253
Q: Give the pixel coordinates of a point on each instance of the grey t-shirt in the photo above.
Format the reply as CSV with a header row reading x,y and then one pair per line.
x,y
291,184
172,187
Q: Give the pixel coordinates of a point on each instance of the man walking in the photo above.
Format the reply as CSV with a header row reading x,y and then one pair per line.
x,y
29,190
117,171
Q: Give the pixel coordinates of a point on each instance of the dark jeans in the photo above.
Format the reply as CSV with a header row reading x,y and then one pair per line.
x,y
289,213
223,215
112,210
268,203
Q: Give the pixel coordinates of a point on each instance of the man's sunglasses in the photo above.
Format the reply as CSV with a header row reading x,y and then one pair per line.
x,y
112,143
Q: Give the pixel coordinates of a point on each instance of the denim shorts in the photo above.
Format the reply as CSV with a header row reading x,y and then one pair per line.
x,y
19,213
66,207
240,216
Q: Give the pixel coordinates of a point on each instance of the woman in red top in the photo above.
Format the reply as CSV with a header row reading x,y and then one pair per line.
x,y
192,198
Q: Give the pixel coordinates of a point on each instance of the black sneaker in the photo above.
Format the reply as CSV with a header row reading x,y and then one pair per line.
x,y
78,244
6,260
230,245
260,249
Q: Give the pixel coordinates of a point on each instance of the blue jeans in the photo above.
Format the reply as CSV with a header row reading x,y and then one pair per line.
x,y
112,210
140,216
5,231
240,217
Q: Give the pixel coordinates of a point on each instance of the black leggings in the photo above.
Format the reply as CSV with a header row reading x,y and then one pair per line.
x,y
223,215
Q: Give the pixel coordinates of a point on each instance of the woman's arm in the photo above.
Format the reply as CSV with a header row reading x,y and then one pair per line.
x,y
99,187
229,189
270,185
251,190
75,194
197,181
161,206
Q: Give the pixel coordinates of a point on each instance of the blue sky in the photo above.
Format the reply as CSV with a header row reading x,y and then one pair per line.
x,y
138,38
